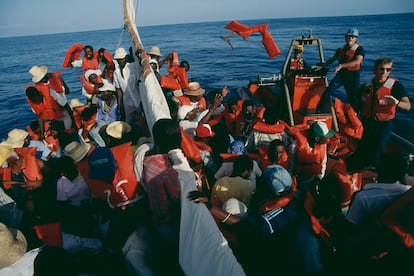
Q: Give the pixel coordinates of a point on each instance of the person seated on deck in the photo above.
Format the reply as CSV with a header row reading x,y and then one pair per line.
x,y
237,149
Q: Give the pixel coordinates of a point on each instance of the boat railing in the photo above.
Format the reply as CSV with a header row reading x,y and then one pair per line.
x,y
267,81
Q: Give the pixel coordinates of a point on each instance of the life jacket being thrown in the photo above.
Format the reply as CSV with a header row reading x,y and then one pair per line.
x,y
373,104
347,55
177,76
72,54
48,108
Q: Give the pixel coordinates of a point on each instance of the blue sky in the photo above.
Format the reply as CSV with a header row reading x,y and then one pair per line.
x,y
32,17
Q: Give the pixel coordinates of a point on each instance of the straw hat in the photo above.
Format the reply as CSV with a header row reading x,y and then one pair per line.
x,y
117,129
5,152
120,53
16,138
194,89
38,72
77,151
75,103
13,245
155,51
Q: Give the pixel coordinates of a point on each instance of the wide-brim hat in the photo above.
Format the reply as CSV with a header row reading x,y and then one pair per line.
x,y
117,129
77,151
5,152
155,51
120,53
13,245
16,138
194,89
75,103
38,72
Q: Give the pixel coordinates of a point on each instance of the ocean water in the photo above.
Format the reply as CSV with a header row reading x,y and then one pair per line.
x,y
212,61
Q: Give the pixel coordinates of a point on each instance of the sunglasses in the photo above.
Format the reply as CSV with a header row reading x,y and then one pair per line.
x,y
382,69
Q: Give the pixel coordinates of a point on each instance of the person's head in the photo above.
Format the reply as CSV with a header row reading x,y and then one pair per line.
x,y
242,166
117,132
327,195
203,132
107,91
277,179
154,53
319,133
154,65
167,135
297,51
351,36
270,116
94,76
88,50
382,69
56,127
194,91
392,167
33,94
185,64
66,167
232,105
39,73
276,150
121,56
248,109
35,127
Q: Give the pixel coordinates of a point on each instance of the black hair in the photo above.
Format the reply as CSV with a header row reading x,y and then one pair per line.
x,y
32,93
247,103
241,164
166,134
34,125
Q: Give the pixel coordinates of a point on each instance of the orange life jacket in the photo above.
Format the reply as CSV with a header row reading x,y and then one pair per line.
x,y
92,63
265,162
184,100
309,160
189,148
124,157
270,129
240,121
392,218
73,53
348,184
349,123
296,64
177,76
89,87
99,188
48,108
279,201
371,102
348,55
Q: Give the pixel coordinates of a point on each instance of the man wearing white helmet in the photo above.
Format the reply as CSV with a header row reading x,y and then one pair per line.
x,y
350,58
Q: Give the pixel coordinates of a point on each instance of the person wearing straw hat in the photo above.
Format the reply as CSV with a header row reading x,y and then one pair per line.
x,y
107,112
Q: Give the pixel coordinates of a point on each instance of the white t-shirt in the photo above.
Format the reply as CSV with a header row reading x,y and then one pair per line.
x,y
73,191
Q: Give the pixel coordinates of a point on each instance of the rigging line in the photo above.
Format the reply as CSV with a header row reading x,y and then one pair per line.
x,y
120,39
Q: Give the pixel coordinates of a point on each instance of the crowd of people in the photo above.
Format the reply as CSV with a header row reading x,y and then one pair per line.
x,y
91,188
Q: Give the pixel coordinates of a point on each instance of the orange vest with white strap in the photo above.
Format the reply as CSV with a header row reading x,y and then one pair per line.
x,y
373,105
48,108
184,100
347,55
125,181
92,64
177,76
